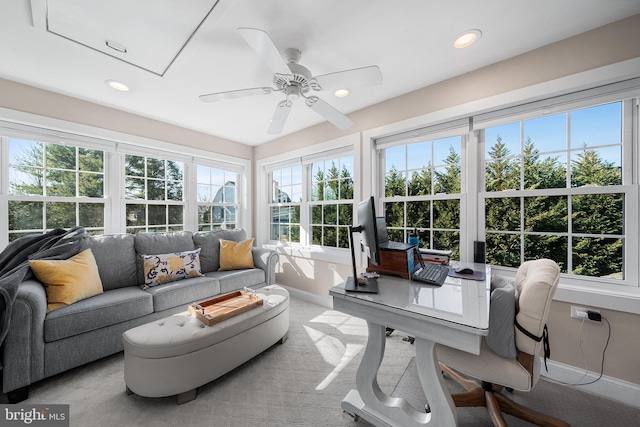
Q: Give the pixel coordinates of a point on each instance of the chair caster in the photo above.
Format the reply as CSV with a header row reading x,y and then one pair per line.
x,y
349,416
410,340
389,331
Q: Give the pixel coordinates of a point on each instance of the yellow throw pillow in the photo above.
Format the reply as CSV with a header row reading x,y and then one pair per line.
x,y
68,280
235,255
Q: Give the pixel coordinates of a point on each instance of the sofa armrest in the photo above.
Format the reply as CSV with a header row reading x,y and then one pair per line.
x,y
23,348
266,259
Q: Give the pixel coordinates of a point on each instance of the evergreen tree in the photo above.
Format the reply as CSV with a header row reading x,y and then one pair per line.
x,y
596,214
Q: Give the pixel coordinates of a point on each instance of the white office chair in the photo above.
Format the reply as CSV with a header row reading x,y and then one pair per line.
x,y
535,284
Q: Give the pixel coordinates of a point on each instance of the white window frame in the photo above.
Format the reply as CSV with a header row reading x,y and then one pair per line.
x,y
23,133
455,128
238,188
115,145
629,187
608,296
346,145
149,202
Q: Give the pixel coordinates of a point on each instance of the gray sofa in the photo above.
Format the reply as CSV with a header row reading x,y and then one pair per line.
x,y
40,344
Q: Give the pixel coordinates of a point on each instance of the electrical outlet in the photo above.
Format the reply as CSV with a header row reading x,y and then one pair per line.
x,y
581,312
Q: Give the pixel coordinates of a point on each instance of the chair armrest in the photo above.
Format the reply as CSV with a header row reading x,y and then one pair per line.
x,y
266,259
23,348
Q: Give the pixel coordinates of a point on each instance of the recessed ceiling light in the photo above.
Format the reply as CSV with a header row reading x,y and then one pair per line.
x,y
117,85
341,93
467,38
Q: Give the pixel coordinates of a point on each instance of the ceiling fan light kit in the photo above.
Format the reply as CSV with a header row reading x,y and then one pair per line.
x,y
296,81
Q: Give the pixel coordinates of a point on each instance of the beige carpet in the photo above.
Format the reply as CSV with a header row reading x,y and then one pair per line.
x,y
300,383
576,407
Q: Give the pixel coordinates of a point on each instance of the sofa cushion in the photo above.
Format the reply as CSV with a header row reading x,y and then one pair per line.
x,y
160,243
237,279
165,268
209,243
68,280
184,292
116,258
108,308
235,255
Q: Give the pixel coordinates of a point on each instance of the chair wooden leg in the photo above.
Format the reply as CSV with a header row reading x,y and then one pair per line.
x,y
494,409
465,382
510,407
495,401
470,398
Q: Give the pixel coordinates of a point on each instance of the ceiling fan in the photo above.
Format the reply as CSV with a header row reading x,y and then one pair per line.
x,y
296,81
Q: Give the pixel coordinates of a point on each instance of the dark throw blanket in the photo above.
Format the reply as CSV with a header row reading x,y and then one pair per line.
x,y
14,263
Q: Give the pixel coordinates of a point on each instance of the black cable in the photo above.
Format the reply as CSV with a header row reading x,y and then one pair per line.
x,y
603,352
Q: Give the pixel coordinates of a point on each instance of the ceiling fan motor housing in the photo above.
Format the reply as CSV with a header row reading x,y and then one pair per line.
x,y
301,75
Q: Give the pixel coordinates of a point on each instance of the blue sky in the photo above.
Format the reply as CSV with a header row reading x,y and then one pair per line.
x,y
594,126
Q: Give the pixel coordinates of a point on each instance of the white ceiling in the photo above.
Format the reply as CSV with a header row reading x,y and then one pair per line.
x,y
185,49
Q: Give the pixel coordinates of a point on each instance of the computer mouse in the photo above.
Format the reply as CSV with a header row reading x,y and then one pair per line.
x,y
464,270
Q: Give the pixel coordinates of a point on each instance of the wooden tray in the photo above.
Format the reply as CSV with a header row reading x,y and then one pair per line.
x,y
223,307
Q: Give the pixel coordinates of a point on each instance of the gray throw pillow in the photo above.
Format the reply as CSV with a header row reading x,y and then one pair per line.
x,y
209,245
502,314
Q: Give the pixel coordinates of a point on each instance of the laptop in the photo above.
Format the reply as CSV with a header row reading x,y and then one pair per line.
x,y
383,238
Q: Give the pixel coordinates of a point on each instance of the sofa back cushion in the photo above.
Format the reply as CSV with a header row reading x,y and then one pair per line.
x,y
159,243
116,259
209,244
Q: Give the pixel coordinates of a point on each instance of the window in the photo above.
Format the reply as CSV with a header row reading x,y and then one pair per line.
x,y
217,198
153,191
285,201
311,200
422,191
331,201
54,185
555,188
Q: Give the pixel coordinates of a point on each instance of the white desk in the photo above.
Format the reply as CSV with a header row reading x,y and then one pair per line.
x,y
455,315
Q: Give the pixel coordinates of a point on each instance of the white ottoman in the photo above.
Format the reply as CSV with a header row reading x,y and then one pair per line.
x,y
177,354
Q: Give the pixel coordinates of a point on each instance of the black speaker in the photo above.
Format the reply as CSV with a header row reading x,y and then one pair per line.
x,y
479,252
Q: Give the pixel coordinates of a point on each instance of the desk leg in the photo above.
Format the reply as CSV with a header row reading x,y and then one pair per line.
x,y
443,410
370,402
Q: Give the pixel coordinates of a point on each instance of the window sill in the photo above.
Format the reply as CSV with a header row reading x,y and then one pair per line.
x,y
624,298
335,255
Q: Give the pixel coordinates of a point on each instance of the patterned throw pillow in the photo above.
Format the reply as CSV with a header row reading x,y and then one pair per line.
x,y
165,268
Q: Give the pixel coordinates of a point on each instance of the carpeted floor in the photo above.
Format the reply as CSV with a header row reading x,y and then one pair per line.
x,y
299,383
576,407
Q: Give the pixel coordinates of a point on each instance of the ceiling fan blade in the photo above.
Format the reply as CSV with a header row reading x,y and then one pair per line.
x,y
279,118
366,76
338,119
221,96
261,43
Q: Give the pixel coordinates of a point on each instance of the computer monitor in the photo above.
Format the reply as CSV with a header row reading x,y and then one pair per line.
x,y
368,230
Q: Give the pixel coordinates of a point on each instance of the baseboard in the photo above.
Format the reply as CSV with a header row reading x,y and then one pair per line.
x,y
309,297
606,387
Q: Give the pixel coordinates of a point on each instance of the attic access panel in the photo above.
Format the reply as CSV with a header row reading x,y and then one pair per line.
x,y
146,33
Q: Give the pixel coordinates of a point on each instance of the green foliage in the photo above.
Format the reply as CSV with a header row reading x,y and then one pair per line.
x,y
56,170
545,221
